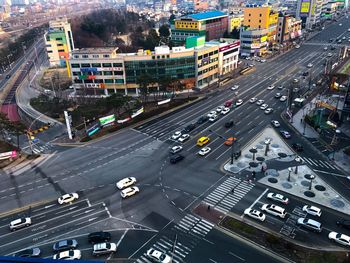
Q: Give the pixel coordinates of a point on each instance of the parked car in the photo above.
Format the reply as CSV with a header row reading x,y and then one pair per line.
x,y
176,158
66,244
256,214
275,123
298,147
126,182
68,255
67,198
204,151
285,134
28,253
274,210
104,248
176,149
99,237
278,198
229,124
310,224
312,210
339,238
130,191
158,256
20,223
225,111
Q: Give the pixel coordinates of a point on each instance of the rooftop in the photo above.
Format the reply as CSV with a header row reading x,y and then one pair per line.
x,y
97,50
207,15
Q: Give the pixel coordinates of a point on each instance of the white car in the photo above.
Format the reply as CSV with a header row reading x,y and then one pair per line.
x,y
339,238
204,151
278,197
256,214
275,123
225,111
310,65
262,60
268,110
329,54
68,255
235,87
67,198
126,182
184,137
176,135
271,87
325,48
104,248
211,114
219,109
20,223
239,102
297,46
280,87
157,256
130,191
274,210
252,100
260,102
213,118
283,98
312,210
176,149
340,24
264,107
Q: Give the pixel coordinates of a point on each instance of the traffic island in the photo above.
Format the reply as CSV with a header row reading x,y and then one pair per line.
x,y
209,213
280,245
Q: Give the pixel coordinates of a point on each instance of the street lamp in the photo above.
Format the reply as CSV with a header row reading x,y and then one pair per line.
x,y
267,143
253,151
311,178
289,171
299,161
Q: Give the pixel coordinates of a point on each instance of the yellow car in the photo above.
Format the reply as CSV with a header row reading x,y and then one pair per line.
x,y
203,141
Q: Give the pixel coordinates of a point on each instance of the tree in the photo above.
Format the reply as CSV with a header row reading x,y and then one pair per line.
x,y
144,81
171,18
164,83
8,127
152,40
235,33
164,31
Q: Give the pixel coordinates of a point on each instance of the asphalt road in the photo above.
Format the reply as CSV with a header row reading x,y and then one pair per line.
x,y
167,192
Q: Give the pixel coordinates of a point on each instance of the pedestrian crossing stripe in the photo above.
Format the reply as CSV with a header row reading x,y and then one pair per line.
x,y
318,163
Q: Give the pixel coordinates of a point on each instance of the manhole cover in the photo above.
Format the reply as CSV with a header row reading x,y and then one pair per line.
x,y
287,185
272,180
337,203
259,146
262,142
271,172
241,164
275,145
248,155
260,159
309,176
234,169
305,183
282,155
320,188
253,164
309,194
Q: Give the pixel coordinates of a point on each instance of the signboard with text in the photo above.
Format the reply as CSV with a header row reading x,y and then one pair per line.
x,y
104,121
305,8
8,155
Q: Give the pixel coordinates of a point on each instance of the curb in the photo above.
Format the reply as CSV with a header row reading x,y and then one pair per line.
x,y
23,208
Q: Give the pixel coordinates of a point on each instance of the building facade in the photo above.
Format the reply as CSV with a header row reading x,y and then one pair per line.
x,y
309,11
258,31
288,28
59,42
235,21
211,24
110,72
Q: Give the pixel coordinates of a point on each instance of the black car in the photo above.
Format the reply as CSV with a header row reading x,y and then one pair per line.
x,y
202,119
344,223
189,127
29,253
306,73
65,245
176,158
332,47
99,237
298,147
229,124
8,76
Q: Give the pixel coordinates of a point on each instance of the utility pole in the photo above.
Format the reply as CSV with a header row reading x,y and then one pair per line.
x,y
173,252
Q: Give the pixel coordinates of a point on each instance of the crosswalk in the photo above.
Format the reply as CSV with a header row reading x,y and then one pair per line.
x,y
318,163
42,148
190,225
222,197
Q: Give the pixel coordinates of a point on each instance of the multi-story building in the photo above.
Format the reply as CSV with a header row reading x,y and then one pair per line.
x,y
290,7
288,28
59,41
235,21
211,24
329,9
310,12
258,30
108,71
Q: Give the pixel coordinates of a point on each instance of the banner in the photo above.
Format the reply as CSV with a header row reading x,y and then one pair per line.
x,y
163,101
138,112
125,120
8,155
93,129
104,121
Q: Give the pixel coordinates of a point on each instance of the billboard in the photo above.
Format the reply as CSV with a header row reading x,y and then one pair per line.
x,y
104,121
305,8
93,129
8,155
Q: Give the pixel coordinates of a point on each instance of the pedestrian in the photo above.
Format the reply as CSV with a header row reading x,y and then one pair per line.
x,y
233,190
208,208
301,120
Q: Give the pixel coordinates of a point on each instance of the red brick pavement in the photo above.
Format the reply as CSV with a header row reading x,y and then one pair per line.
x,y
212,215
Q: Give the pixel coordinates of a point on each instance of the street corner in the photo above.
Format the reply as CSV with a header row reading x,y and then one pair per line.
x,y
208,212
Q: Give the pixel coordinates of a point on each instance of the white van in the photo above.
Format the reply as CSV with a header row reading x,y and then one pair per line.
x,y
274,210
19,223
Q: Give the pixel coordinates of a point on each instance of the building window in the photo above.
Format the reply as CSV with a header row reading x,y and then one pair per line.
x,y
95,56
107,65
108,80
96,65
259,21
107,73
49,51
117,65
61,50
249,20
250,14
85,56
59,45
59,38
106,56
260,15
75,65
76,56
85,65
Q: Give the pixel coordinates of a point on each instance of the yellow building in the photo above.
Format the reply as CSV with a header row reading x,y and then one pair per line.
x,y
235,21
